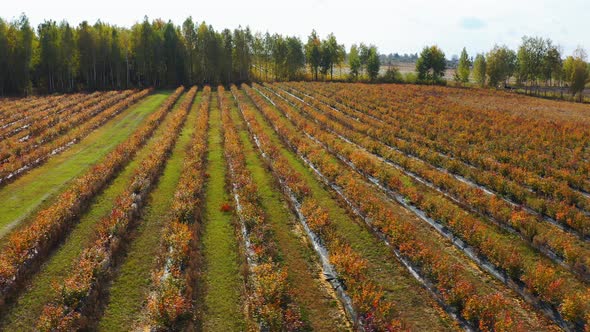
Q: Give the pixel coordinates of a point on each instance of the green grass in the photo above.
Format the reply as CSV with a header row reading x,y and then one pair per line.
x,y
38,188
28,306
414,303
319,308
130,287
222,279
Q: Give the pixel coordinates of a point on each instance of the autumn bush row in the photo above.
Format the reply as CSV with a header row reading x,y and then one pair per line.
x,y
62,117
27,247
557,159
270,295
374,312
17,165
501,250
11,107
544,236
43,130
536,136
170,303
77,293
452,280
17,109
30,126
32,119
561,205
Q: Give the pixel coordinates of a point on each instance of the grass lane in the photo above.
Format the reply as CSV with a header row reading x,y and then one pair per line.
x,y
128,290
223,284
412,301
319,307
36,189
23,313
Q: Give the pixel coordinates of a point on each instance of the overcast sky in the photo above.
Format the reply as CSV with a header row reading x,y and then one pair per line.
x,y
394,26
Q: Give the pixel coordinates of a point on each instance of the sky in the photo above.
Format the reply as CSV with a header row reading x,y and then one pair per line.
x,y
393,26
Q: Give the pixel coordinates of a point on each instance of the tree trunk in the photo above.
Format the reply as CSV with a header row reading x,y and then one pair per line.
x,y
331,72
127,63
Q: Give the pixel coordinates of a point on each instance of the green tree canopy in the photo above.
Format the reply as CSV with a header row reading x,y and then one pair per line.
x,y
313,53
463,68
531,57
576,72
373,63
501,65
479,69
354,62
431,64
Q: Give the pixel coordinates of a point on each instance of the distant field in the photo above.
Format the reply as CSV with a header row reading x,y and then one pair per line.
x,y
295,207
404,68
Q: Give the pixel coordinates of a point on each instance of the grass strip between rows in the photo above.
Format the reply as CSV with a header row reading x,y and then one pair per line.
x,y
487,310
131,283
26,248
319,305
170,302
15,168
79,294
270,294
222,295
365,302
552,285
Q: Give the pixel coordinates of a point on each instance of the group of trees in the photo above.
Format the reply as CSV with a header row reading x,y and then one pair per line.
x,y
16,52
285,58
365,59
323,55
536,62
277,57
59,57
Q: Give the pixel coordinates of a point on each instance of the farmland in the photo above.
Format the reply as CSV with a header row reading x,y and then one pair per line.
x,y
295,206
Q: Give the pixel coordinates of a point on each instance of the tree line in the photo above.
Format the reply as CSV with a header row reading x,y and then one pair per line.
x,y
58,57
537,63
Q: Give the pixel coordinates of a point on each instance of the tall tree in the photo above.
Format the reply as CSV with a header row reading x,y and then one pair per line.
x,y
279,56
501,65
242,59
268,45
354,62
4,56
226,61
49,45
87,51
364,56
373,63
577,72
479,69
189,35
173,55
431,64
20,40
295,57
531,56
258,55
68,56
552,64
331,55
463,68
126,54
313,53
